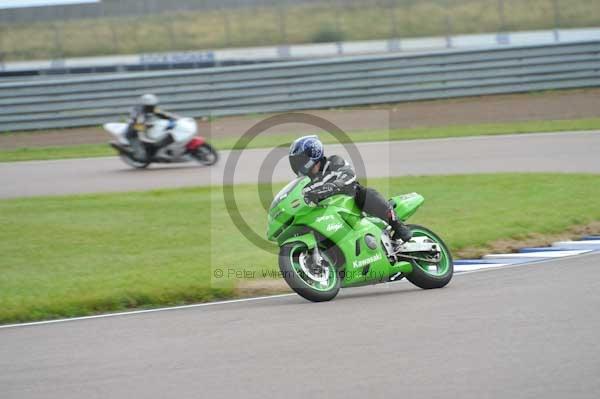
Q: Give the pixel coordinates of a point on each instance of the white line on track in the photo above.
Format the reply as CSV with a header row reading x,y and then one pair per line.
x,y
539,254
261,298
134,312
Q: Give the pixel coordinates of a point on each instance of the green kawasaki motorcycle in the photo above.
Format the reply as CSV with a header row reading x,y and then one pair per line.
x,y
333,245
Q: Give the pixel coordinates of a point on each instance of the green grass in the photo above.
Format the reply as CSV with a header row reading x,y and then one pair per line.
x,y
297,23
46,153
224,143
77,255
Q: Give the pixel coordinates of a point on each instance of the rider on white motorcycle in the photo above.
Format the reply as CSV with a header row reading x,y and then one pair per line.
x,y
142,118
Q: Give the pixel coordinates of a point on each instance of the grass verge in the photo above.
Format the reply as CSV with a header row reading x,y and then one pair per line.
x,y
224,143
79,255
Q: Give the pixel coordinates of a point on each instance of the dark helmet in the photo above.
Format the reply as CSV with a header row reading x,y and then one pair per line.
x,y
305,152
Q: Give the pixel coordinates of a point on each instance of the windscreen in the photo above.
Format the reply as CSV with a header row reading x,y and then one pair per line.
x,y
286,190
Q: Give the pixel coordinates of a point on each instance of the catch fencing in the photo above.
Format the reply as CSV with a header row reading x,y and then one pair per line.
x,y
112,27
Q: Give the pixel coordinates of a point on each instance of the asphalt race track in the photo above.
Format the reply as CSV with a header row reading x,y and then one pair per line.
x,y
519,332
524,331
567,152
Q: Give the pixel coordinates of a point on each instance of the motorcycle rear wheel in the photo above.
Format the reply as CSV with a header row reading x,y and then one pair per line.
x,y
430,275
292,263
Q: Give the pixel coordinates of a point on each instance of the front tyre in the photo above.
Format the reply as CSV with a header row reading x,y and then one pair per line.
x,y
206,155
132,162
317,284
428,275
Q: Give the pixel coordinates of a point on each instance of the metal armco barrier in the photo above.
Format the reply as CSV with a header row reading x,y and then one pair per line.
x,y
349,81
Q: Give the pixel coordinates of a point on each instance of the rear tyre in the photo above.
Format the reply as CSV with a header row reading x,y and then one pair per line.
x,y
431,275
206,155
295,263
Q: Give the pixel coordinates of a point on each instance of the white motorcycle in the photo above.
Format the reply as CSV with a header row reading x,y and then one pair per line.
x,y
186,145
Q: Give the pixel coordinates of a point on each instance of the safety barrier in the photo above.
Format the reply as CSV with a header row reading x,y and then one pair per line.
x,y
274,87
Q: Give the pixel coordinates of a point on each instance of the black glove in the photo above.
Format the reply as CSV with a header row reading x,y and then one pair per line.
x,y
320,193
328,189
311,198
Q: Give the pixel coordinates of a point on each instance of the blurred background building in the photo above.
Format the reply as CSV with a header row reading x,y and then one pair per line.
x,y
142,26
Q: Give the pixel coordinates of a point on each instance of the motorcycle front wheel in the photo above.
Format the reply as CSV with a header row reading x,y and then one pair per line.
x,y
206,154
317,284
132,162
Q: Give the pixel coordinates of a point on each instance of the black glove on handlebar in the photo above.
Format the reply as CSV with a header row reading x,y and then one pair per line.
x,y
320,193
311,197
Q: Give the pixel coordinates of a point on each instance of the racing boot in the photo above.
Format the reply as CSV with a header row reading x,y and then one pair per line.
x,y
399,229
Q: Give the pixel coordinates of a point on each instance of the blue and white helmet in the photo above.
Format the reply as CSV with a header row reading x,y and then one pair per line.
x,y
305,152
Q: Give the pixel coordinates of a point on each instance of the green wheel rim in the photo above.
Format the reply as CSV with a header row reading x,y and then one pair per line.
x,y
441,268
332,276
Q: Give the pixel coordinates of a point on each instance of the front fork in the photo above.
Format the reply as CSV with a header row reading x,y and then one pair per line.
x,y
316,256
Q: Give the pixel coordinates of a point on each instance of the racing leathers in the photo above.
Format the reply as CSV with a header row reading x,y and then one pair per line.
x,y
336,176
142,119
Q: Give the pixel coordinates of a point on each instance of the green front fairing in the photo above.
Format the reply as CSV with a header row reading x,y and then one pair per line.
x,y
339,220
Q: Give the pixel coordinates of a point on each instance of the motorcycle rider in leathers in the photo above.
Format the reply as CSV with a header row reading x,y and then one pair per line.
x,y
142,118
333,175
